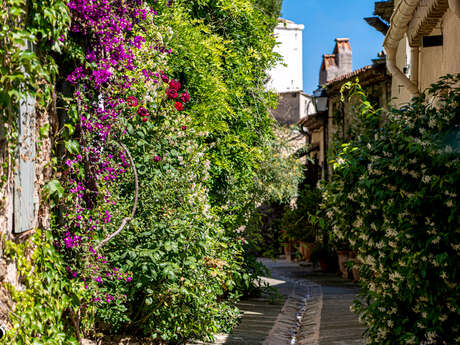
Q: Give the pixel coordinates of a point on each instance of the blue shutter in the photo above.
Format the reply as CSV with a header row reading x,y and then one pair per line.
x,y
24,183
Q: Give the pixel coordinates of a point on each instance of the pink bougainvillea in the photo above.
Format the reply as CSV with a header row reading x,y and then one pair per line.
x,y
103,93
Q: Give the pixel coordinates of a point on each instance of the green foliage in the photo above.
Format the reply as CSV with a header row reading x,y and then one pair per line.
x,y
223,63
184,247
183,265
271,8
43,306
26,66
296,222
26,30
394,198
223,50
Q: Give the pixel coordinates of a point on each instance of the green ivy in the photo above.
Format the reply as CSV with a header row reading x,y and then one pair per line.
x,y
46,300
29,36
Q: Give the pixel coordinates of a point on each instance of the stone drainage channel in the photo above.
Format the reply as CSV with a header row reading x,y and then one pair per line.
x,y
301,313
315,310
299,320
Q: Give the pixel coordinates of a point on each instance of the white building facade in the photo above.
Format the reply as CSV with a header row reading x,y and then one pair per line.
x,y
287,75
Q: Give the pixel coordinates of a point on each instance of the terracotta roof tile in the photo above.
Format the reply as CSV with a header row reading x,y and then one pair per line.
x,y
349,75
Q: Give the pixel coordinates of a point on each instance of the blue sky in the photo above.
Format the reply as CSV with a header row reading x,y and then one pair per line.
x,y
325,20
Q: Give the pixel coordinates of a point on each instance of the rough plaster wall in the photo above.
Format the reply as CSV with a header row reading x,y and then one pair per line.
x,y
287,75
438,61
399,93
288,111
434,61
344,62
331,73
332,128
317,138
8,272
306,105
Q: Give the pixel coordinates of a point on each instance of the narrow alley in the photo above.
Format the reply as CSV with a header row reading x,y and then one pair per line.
x,y
314,310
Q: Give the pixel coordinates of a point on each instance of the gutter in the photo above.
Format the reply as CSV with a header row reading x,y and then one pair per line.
x,y
399,23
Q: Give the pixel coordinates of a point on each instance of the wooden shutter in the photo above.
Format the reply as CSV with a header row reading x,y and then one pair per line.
x,y
24,186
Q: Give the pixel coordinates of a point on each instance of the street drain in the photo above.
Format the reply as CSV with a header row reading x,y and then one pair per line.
x,y
300,313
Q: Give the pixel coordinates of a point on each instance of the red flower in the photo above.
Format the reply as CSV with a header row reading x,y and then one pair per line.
x,y
184,128
179,106
185,97
132,101
164,78
142,112
144,119
172,93
157,158
174,84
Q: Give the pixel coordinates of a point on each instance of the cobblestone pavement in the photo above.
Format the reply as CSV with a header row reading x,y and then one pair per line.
x,y
314,310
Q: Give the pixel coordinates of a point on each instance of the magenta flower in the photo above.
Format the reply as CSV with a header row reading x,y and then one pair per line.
x,y
91,56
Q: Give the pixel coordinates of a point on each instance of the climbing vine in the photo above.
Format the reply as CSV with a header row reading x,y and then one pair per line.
x,y
29,35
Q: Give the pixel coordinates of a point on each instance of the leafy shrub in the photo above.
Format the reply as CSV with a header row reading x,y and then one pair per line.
x,y
394,198
182,263
224,64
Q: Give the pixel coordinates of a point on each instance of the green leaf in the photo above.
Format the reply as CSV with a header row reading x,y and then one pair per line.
x,y
44,131
70,127
72,146
53,189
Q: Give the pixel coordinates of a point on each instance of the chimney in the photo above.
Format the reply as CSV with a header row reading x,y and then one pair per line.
x,y
328,69
343,56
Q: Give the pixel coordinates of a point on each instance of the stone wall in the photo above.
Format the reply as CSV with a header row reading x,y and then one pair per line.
x,y
288,111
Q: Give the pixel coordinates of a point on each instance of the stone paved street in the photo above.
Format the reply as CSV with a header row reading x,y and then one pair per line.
x,y
315,310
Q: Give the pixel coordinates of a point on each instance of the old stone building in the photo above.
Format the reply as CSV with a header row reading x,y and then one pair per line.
x,y
421,41
334,116
286,78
